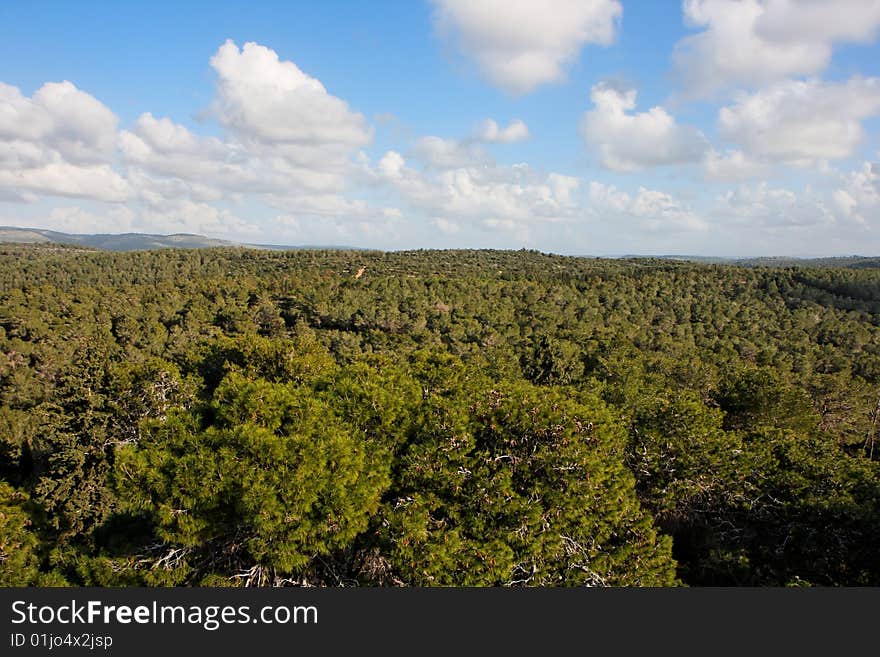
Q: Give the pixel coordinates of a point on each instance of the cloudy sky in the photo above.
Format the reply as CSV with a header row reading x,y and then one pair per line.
x,y
602,127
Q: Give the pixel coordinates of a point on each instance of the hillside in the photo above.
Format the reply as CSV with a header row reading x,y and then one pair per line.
x,y
851,262
109,242
144,242
140,241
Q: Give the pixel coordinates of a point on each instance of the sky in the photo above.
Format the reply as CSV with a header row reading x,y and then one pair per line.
x,y
584,127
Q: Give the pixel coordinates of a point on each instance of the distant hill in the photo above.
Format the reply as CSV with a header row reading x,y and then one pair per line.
x,y
306,247
848,262
140,241
702,260
122,242
844,262
144,242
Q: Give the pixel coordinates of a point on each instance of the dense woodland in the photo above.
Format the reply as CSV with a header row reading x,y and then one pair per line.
x,y
242,417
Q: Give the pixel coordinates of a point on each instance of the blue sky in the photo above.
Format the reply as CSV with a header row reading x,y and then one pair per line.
x,y
724,127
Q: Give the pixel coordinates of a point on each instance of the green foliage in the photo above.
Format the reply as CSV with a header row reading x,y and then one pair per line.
x,y
300,359
235,416
21,545
683,459
19,561
757,397
519,486
817,517
267,474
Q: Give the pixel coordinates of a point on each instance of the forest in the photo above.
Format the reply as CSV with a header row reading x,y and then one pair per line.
x,y
244,417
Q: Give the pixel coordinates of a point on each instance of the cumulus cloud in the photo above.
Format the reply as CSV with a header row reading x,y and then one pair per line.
x,y
267,100
391,166
654,210
489,132
165,217
763,206
286,142
60,141
858,198
840,214
169,150
163,148
163,137
519,44
731,165
60,118
802,121
629,141
59,178
285,133
185,216
492,195
116,219
814,21
440,153
445,226
756,42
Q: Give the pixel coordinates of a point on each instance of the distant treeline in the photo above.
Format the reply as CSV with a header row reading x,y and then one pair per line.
x,y
243,417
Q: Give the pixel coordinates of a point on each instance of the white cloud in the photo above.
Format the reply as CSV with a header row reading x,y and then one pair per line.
x,y
654,210
185,216
58,142
814,21
632,141
163,148
448,153
762,206
492,195
756,42
802,121
445,226
165,217
59,178
287,143
168,139
520,44
169,150
264,99
859,198
731,166
20,154
835,219
117,219
60,118
440,153
392,165
285,128
489,132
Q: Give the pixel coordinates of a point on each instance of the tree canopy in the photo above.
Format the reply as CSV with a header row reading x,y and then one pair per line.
x,y
244,417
